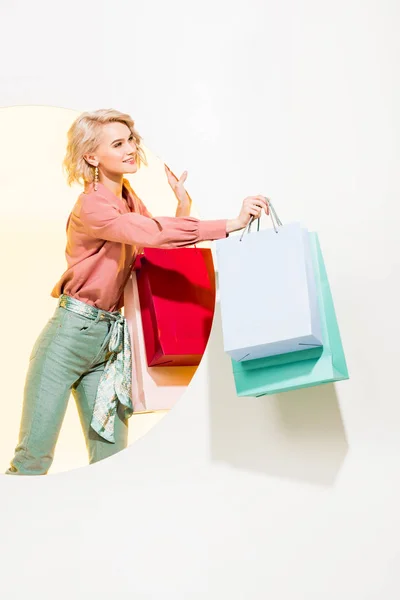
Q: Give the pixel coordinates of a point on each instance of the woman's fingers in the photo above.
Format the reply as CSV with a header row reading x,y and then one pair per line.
x,y
255,205
266,206
256,212
258,207
264,201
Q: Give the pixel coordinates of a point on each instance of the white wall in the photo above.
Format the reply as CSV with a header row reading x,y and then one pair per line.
x,y
292,497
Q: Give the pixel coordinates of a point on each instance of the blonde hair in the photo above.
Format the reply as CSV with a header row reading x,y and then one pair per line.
x,y
84,136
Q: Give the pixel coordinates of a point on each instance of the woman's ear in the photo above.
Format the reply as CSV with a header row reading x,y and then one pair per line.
x,y
91,160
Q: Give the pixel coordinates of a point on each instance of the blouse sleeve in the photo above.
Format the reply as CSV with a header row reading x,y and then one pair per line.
x,y
103,220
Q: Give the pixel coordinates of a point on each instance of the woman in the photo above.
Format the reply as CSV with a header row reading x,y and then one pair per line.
x,y
85,346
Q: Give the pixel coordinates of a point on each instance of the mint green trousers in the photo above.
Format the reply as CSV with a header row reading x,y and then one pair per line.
x,y
69,356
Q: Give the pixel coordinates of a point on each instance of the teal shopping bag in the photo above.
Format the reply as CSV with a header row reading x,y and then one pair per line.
x,y
308,368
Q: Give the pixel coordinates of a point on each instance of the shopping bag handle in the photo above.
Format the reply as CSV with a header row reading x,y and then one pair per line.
x,y
272,213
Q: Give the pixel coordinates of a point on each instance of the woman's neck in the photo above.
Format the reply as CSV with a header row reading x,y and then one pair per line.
x,y
115,186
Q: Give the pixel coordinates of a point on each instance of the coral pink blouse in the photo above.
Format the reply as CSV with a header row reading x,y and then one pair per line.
x,y
104,236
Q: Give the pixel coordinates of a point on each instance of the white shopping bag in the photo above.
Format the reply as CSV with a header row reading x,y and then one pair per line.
x,y
267,292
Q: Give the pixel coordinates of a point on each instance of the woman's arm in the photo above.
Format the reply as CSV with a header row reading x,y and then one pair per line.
x,y
102,220
183,210
184,200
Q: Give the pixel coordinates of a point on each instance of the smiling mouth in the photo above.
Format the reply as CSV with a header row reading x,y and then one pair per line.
x,y
130,160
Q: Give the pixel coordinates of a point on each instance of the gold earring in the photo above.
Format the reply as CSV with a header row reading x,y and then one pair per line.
x,y
96,178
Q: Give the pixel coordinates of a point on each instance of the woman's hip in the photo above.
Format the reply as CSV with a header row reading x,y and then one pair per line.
x,y
71,338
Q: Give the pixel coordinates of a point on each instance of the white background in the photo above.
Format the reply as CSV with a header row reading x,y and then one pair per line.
x,y
289,497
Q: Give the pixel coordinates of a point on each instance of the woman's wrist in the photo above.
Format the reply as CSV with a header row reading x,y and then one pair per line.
x,y
233,225
183,210
184,206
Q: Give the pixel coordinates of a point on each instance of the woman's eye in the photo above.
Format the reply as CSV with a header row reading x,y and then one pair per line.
x,y
119,143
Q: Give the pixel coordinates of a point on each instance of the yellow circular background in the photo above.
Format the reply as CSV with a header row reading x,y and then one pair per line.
x,y
35,204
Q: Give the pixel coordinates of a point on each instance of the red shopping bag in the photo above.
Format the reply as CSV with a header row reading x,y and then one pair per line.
x,y
176,289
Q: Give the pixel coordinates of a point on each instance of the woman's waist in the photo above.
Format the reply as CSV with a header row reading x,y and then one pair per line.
x,y
87,310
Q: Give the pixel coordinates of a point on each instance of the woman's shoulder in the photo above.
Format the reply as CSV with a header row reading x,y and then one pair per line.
x,y
103,199
94,202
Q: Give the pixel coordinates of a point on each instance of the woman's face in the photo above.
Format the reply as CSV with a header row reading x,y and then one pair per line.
x,y
116,153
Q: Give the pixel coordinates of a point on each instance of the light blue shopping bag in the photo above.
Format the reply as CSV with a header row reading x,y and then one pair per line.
x,y
308,368
267,292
